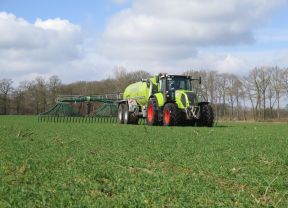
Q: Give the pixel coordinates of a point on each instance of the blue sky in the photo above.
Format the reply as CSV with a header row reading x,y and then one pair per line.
x,y
88,40
92,12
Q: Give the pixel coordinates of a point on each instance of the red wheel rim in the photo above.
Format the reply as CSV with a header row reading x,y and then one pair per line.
x,y
167,117
150,113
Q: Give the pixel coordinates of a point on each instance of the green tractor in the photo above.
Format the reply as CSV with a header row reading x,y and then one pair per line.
x,y
165,100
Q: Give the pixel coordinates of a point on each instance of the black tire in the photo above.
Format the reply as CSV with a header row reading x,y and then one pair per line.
x,y
133,119
128,117
206,116
171,115
121,113
126,114
152,112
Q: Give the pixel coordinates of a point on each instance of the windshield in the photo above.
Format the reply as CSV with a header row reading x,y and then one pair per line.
x,y
179,83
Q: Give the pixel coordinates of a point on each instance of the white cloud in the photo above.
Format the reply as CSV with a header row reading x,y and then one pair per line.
x,y
161,30
230,64
46,47
51,40
57,25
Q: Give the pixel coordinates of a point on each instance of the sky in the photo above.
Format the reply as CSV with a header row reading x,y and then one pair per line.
x,y
88,40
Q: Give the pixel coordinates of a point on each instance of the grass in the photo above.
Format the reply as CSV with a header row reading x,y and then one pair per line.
x,y
111,165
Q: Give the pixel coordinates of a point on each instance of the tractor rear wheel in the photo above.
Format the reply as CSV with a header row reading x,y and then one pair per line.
x,y
206,116
152,112
121,113
171,115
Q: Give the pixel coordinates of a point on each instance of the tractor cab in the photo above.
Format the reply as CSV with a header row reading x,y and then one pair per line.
x,y
170,85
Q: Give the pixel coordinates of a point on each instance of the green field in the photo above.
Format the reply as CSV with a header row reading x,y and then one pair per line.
x,y
111,165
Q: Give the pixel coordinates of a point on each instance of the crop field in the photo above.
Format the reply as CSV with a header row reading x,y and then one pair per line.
x,y
112,165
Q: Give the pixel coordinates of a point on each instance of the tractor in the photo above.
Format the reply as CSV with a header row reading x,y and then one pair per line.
x,y
167,100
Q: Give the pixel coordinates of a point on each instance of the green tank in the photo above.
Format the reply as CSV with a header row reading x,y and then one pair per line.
x,y
138,91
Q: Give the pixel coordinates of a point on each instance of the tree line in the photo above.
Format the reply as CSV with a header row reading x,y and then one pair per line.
x,y
259,95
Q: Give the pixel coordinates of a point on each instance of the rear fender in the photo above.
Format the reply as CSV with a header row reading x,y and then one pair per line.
x,y
121,102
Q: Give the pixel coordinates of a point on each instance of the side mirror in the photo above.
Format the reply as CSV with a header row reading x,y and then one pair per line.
x,y
157,79
148,83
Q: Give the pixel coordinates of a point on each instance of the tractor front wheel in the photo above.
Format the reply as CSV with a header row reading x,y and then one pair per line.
x,y
152,112
206,116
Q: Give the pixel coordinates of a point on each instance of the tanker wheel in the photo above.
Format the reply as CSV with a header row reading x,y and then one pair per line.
x,y
133,119
128,117
152,112
121,114
171,115
206,116
126,114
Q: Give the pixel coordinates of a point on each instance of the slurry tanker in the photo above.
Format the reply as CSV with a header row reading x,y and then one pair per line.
x,y
167,100
163,99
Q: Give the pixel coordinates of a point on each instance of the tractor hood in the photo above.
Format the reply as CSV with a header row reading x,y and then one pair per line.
x,y
185,98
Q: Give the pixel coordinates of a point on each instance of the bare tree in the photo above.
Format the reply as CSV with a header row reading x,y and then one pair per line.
x,y
222,91
238,91
37,89
211,85
265,76
19,99
276,88
54,87
243,97
124,78
137,76
285,80
260,78
5,89
232,91
251,92
121,79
